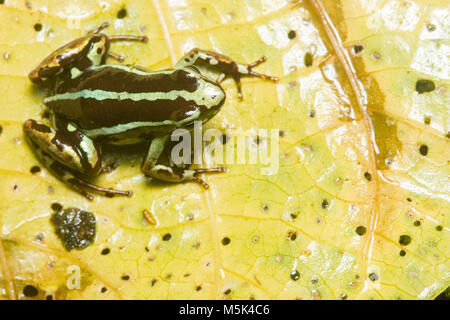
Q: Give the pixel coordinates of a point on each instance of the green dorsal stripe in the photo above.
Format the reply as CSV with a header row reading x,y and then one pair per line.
x,y
208,98
101,95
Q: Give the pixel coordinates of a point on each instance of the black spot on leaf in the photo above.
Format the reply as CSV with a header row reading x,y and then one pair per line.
x,y
373,276
308,59
292,235
358,48
423,150
431,27
295,275
30,291
423,85
404,240
38,27
361,230
35,169
122,13
292,34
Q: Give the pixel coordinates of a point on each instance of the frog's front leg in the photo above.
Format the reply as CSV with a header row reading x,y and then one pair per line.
x,y
65,151
224,64
79,55
150,166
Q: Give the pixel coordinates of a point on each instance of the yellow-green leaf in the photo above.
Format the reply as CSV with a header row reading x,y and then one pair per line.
x,y
357,209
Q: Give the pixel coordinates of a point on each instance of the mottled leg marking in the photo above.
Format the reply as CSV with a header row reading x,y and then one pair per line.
x,y
150,166
117,57
101,28
119,38
67,145
224,64
49,145
128,38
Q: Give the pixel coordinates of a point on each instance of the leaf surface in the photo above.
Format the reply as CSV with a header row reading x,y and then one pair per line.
x,y
352,181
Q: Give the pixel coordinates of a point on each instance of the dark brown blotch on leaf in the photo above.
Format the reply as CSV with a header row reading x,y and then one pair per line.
x,y
74,227
424,85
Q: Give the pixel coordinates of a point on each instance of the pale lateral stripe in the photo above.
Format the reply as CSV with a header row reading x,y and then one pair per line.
x,y
120,128
134,70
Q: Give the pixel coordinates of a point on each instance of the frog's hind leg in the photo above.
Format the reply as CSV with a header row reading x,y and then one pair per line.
x,y
225,65
60,171
66,151
150,166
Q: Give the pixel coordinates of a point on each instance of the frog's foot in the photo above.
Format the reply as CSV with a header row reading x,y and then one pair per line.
x,y
195,172
246,70
175,174
75,182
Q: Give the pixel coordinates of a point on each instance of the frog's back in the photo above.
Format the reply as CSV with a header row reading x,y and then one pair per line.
x,y
122,98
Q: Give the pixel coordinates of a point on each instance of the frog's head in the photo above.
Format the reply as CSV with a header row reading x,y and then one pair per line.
x,y
212,98
81,53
